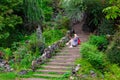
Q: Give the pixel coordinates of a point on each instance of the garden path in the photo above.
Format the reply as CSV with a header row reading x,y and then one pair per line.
x,y
59,64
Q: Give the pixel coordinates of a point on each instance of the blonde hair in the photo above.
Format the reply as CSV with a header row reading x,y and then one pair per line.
x,y
75,35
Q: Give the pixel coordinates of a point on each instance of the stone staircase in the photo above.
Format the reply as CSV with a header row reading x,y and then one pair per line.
x,y
59,64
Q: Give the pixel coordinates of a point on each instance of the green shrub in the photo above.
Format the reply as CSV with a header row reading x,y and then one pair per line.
x,y
86,66
8,53
27,51
100,41
97,40
26,60
91,54
37,45
52,36
5,53
33,48
85,69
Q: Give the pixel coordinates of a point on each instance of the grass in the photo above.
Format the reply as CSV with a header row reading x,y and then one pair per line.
x,y
29,74
7,76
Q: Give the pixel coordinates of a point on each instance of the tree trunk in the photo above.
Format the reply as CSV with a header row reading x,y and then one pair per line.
x,y
39,32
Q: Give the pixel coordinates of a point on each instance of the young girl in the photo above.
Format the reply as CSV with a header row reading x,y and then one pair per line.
x,y
73,41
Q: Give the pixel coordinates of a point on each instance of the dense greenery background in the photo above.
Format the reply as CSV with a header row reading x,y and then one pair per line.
x,y
19,20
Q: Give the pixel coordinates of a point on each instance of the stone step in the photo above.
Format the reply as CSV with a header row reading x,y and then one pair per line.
x,y
61,64
48,75
67,58
73,56
70,53
78,47
56,67
71,49
52,71
67,54
62,60
68,50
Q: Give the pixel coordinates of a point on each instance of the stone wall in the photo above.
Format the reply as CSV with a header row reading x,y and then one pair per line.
x,y
4,66
48,52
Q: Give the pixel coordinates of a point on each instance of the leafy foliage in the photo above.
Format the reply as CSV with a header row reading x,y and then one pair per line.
x,y
52,35
90,51
25,52
113,51
61,22
33,11
113,11
91,54
94,13
85,70
97,40
39,11
100,41
74,9
113,73
106,27
7,54
92,10
8,19
47,9
35,45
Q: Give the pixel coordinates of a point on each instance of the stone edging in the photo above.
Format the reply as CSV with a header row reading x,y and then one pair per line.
x,y
50,50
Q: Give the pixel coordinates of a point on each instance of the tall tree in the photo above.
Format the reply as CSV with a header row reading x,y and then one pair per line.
x,y
33,12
